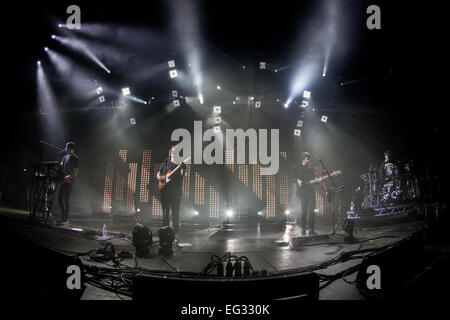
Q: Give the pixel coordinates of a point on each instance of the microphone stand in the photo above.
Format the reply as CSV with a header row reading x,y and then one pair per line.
x,y
334,189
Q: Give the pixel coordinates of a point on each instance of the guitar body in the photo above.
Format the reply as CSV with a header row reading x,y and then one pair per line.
x,y
162,183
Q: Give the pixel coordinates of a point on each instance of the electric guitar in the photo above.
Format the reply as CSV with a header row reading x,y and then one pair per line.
x,y
165,179
320,179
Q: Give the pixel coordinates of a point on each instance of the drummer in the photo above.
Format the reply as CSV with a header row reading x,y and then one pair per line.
x,y
388,169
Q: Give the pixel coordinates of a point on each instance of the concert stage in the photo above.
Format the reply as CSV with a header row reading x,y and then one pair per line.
x,y
268,246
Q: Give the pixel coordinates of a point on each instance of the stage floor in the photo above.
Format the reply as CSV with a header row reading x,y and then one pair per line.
x,y
260,243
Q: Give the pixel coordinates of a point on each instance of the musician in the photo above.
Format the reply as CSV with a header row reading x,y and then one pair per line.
x,y
387,168
171,193
306,193
69,166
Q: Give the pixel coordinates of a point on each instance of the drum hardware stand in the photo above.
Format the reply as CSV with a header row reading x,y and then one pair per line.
x,y
331,192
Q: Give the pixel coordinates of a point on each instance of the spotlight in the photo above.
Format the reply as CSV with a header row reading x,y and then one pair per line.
x,y
258,104
53,36
216,129
323,74
259,213
305,104
200,98
217,109
217,120
133,121
99,90
126,91
218,87
300,123
276,70
60,25
176,103
173,73
229,213
286,105
195,213
297,132
307,94
287,212
243,67
234,102
39,62
324,119
101,99
46,49
171,64
174,93
138,210
262,65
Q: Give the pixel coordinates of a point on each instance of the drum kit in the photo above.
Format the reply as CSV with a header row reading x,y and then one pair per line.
x,y
376,191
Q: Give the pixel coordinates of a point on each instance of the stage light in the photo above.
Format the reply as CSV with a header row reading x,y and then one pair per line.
x,y
101,99
200,98
174,93
176,103
251,98
229,213
171,64
138,210
216,129
259,213
99,90
195,213
305,104
323,74
262,65
286,105
278,100
46,49
258,104
53,36
287,212
217,120
126,91
217,109
307,94
297,132
234,102
39,63
60,25
300,123
173,73
243,67
324,119
133,121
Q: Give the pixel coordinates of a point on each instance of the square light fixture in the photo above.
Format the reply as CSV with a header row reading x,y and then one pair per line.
x,y
307,94
262,65
171,63
173,73
174,93
216,129
99,90
305,104
217,109
258,104
300,123
101,99
133,121
126,91
176,103
324,119
297,132
217,120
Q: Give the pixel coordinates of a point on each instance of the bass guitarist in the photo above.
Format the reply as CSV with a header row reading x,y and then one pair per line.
x,y
171,192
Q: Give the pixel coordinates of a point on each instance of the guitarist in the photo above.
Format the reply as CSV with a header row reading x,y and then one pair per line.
x,y
171,193
69,167
306,193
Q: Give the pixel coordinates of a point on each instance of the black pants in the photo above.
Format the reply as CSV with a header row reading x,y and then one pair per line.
x,y
307,215
170,199
64,199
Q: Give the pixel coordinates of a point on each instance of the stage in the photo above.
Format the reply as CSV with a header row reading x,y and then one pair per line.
x,y
268,246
